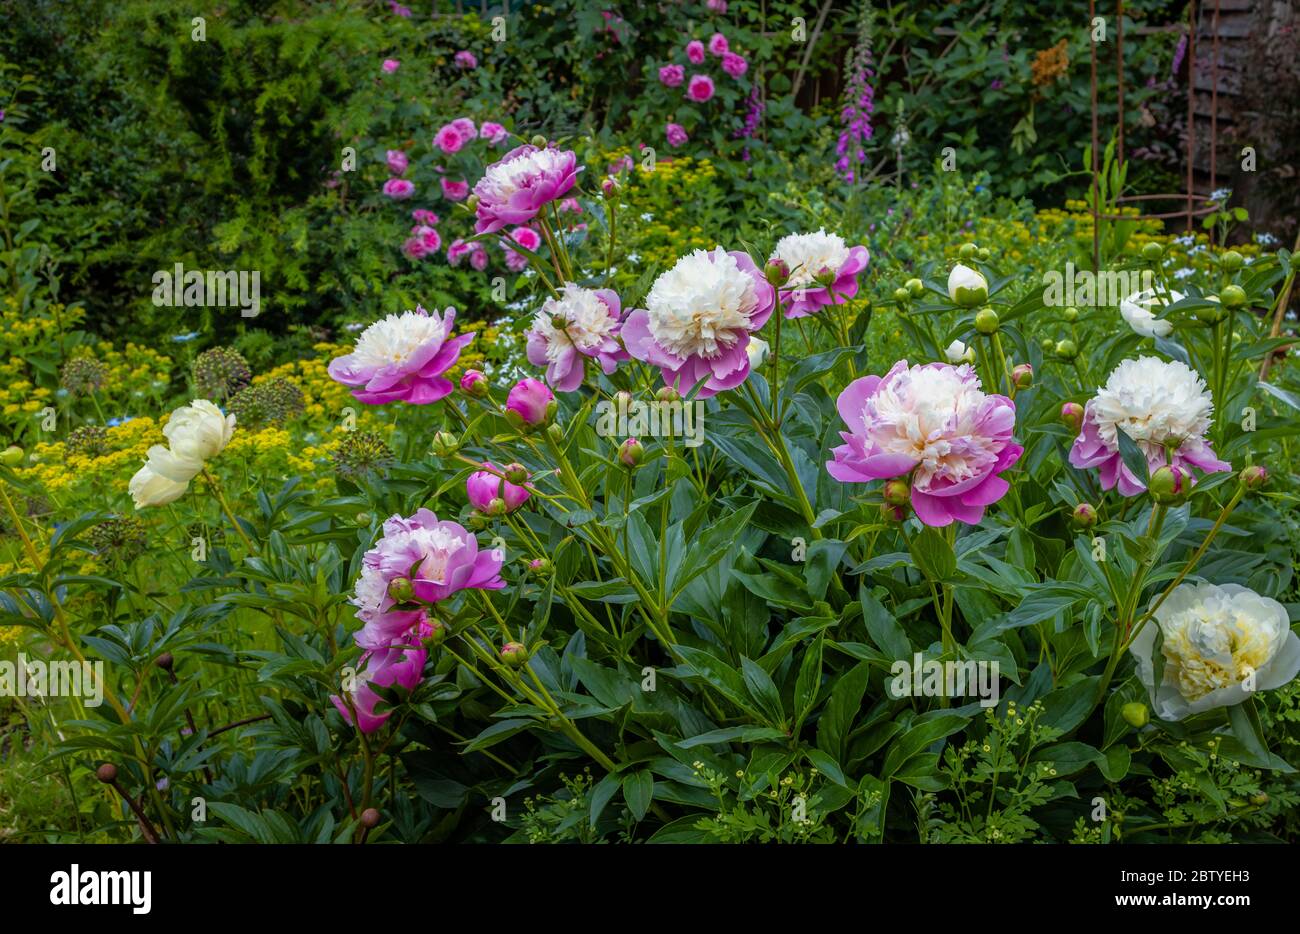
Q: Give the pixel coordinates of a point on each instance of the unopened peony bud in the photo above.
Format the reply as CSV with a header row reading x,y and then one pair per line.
x,y
1072,415
825,277
983,254
165,661
12,456
530,404
363,520
757,350
540,141
901,295
1069,314
893,513
777,271
1254,477
539,567
631,453
438,632
967,287
1136,714
1233,296
370,818
516,474
915,286
968,251
897,493
1022,375
1168,485
106,773
957,352
1231,261
400,589
667,394
474,383
1084,516
1067,349
986,321
444,444
514,654
1152,252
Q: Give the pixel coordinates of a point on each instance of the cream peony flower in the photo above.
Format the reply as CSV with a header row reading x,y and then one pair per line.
x,y
805,255
1136,311
958,352
1220,643
1156,402
758,349
702,305
195,433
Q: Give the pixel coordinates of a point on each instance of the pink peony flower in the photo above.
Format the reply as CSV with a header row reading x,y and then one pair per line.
x,y
399,188
672,76
426,217
515,262
526,237
458,250
415,248
717,6
465,59
428,236
449,139
700,88
734,65
524,181
479,258
391,65
484,486
695,51
810,257
466,128
397,161
676,134
474,383
399,664
718,44
931,421
580,323
530,403
570,205
401,358
698,319
493,132
455,191
1163,406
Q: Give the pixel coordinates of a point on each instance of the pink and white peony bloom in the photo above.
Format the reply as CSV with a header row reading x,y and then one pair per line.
x,y
672,76
402,358
483,487
399,664
581,323
809,256
524,181
700,88
493,132
932,421
399,189
698,319
1220,645
1164,406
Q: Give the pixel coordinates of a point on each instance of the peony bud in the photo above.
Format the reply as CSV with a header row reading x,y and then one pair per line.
x,y
1047,344
474,383
957,352
1135,713
438,632
444,444
539,141
1084,516
514,654
1253,477
968,251
967,287
370,818
539,567
667,394
363,520
106,773
631,453
1151,252
1022,375
986,321
400,590
893,513
897,493
12,456
1067,349
915,286
757,350
1069,314
530,404
983,254
901,295
516,474
1233,296
1231,261
1072,415
777,271
489,493
825,277
1168,485
609,186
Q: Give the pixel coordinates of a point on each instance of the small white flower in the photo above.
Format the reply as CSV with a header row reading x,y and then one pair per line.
x,y
1219,644
807,254
957,352
1136,312
966,286
701,305
1155,401
757,348
647,217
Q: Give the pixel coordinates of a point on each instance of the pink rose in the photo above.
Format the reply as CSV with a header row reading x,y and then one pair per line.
x,y
672,76
676,134
455,191
397,161
695,51
718,44
398,188
700,88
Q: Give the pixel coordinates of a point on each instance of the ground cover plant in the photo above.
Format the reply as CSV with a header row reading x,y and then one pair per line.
x,y
597,436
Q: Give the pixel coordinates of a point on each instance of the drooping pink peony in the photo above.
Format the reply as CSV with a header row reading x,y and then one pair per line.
x,y
465,59
401,358
524,181
493,132
399,189
672,76
484,486
581,323
397,161
698,319
809,257
1163,406
391,65
695,51
399,664
454,191
700,88
718,44
934,422
530,402
676,134
734,65
449,139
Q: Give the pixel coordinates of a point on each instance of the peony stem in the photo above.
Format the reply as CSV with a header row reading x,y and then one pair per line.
x,y
230,513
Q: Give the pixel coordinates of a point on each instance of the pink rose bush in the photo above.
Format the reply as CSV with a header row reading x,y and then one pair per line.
x,y
402,358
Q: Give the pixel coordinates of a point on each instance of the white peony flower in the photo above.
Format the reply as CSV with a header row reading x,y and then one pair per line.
x,y
958,352
395,338
702,305
807,254
1219,644
1155,402
1136,311
196,433
757,348
967,287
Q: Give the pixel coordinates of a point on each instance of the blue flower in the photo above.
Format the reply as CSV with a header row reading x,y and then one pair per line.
x,y
184,338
